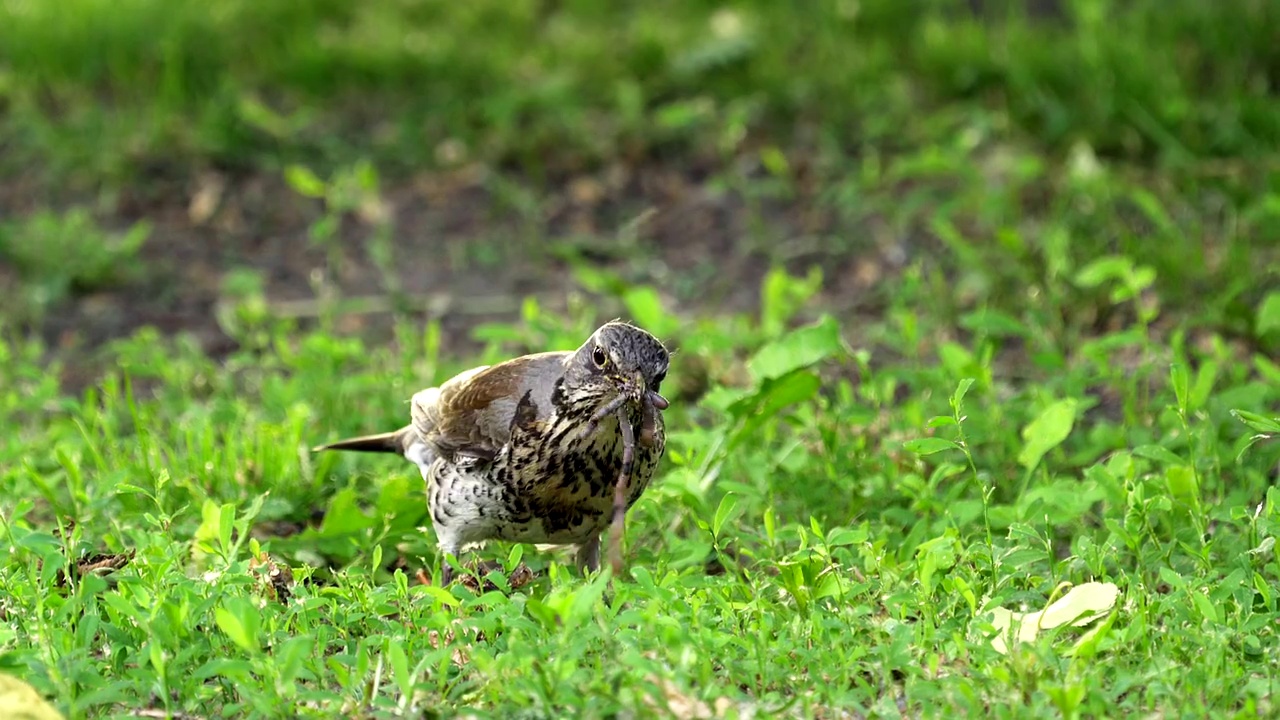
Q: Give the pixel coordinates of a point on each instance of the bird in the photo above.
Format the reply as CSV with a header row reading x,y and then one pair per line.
x,y
549,448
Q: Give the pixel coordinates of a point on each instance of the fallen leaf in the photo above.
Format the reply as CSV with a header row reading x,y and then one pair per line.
x,y
586,191
1080,606
460,655
518,578
103,563
206,198
100,564
678,704
20,701
275,580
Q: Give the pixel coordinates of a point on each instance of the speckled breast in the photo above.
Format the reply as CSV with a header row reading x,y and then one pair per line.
x,y
560,489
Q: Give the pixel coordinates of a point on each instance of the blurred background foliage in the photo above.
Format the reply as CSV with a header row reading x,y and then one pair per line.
x,y
432,152
103,87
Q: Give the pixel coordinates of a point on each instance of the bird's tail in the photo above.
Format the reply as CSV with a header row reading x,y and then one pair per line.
x,y
387,442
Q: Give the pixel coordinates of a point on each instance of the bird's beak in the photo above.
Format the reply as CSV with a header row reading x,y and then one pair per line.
x,y
648,396
635,388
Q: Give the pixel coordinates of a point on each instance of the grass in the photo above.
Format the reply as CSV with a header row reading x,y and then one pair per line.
x,y
1042,352
99,93
59,255
830,531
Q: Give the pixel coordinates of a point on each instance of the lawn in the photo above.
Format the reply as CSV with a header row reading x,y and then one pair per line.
x,y
975,308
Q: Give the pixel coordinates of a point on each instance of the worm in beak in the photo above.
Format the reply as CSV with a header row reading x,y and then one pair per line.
x,y
653,402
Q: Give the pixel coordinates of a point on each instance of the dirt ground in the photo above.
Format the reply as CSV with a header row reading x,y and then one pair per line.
x,y
463,253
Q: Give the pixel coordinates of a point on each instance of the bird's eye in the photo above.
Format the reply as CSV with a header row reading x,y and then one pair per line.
x,y
598,357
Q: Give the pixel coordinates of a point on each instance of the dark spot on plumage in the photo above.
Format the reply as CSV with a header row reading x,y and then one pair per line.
x,y
558,397
526,415
560,435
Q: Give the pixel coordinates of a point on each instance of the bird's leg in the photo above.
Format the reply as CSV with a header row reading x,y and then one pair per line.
x,y
620,492
588,557
450,545
446,568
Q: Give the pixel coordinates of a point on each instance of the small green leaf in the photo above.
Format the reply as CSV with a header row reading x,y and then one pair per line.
x,y
842,536
1182,482
940,421
1257,422
155,653
304,182
797,349
1268,318
207,532
1047,431
1205,606
1172,578
1103,269
514,556
399,663
292,655
239,625
1088,644
994,323
1159,453
236,670
226,523
728,504
966,591
929,445
962,389
542,612
587,598
442,596
1206,377
344,515
1264,547
323,230
774,395
1151,207
936,554
1267,370
1181,384
774,161
400,500
1141,278
815,526
366,176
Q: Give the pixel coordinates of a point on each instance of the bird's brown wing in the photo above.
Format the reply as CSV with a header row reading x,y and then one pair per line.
x,y
471,413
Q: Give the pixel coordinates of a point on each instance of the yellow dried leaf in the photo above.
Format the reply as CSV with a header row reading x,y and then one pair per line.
x,y
1081,605
20,701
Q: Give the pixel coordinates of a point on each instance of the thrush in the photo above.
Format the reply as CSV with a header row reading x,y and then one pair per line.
x,y
549,448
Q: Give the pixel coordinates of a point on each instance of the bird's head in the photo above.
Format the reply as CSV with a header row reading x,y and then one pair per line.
x,y
620,360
